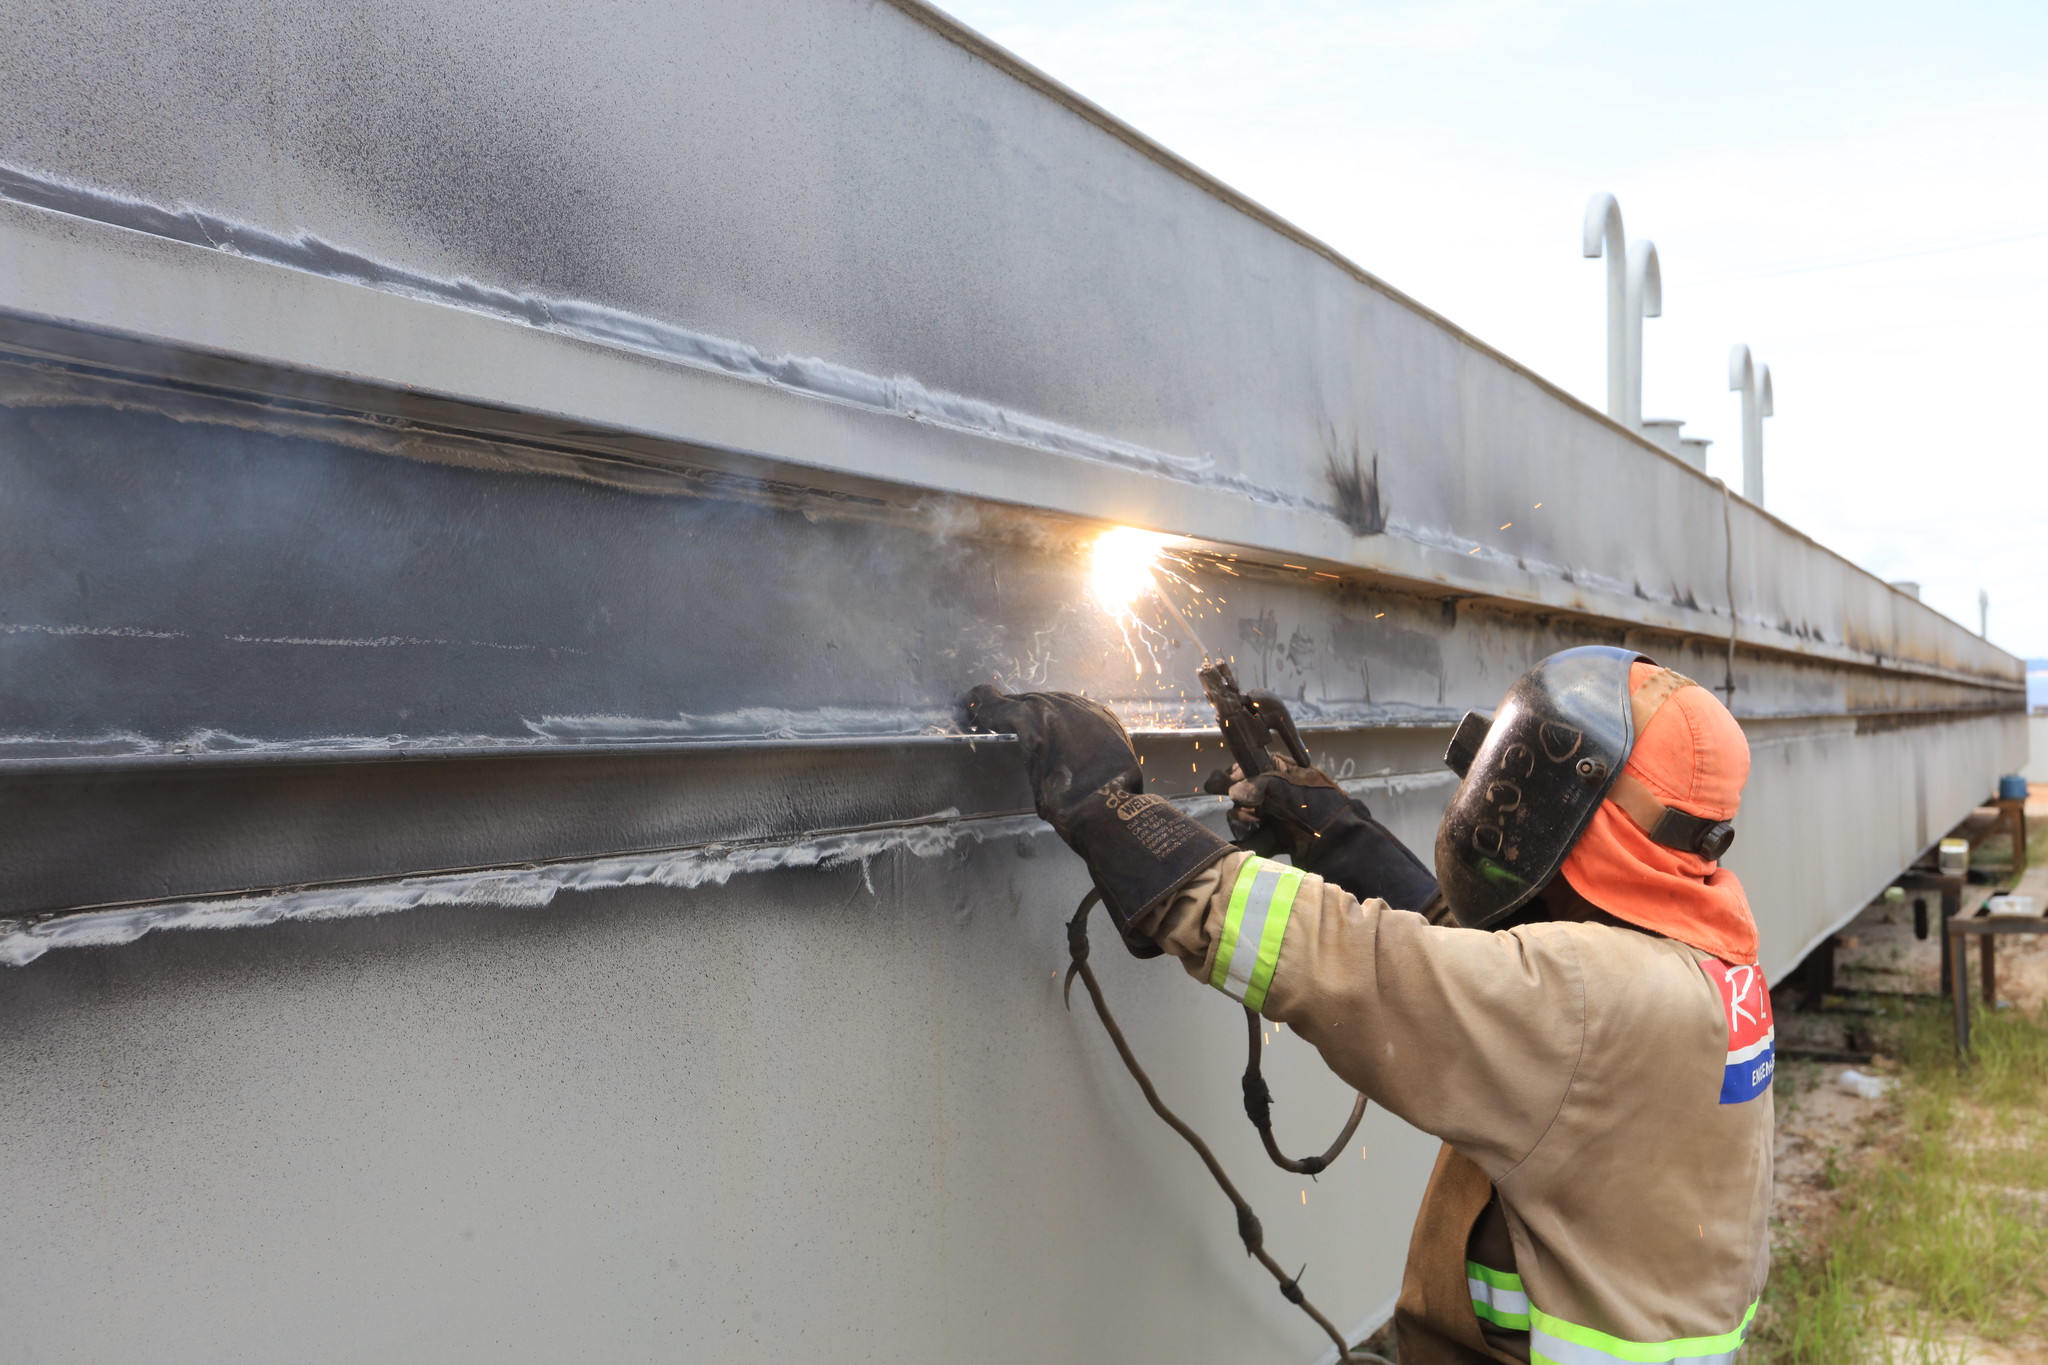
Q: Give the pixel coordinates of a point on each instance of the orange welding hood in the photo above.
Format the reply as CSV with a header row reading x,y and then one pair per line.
x,y
1689,755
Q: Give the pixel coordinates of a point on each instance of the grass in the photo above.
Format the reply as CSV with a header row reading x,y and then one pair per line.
x,y
1941,1230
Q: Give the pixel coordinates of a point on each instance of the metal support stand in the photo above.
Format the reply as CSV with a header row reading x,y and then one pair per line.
x,y
1820,973
1959,932
2014,817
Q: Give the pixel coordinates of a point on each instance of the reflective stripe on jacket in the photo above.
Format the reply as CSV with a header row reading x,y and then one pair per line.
x,y
1581,1068
1498,1297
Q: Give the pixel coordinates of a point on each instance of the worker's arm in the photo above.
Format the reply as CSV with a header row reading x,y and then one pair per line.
x,y
1471,1036
1332,835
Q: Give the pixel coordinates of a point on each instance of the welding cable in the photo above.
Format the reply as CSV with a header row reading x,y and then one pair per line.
x,y
1249,1230
1258,1107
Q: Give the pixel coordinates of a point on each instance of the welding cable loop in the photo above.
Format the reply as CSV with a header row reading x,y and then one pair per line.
x,y
1249,1230
1258,1107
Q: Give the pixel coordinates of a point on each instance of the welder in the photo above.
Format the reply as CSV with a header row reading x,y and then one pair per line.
x,y
1571,1003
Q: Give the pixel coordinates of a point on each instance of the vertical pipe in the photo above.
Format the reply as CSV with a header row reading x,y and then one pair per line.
x,y
1765,406
1753,382
1645,299
1602,235
1734,615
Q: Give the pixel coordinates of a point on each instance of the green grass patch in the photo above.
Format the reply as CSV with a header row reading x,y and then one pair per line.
x,y
1942,1226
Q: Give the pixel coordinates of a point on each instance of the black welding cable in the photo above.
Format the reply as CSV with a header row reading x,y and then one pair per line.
x,y
1258,1107
1249,1229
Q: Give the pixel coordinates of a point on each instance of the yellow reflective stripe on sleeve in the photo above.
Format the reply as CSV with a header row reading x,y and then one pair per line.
x,y
1253,924
1553,1341
1497,1296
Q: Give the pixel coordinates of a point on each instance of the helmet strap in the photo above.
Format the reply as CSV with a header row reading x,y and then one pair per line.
x,y
1666,825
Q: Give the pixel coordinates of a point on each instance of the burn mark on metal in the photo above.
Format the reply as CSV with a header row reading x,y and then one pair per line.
x,y
1355,489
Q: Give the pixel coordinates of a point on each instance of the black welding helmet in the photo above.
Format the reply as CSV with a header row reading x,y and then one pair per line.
x,y
1534,772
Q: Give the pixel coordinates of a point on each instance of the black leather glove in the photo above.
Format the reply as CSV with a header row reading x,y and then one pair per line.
x,y
1332,835
1088,786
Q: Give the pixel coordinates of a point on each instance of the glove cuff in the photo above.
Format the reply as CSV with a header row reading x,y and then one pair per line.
x,y
1141,851
1362,855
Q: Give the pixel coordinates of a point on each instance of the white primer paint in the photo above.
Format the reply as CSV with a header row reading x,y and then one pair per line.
x,y
510,888
764,722
535,886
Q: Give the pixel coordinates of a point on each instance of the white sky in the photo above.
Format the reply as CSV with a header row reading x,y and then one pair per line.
x,y
1857,190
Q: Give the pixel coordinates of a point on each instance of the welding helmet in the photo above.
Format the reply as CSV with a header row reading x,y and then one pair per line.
x,y
1534,772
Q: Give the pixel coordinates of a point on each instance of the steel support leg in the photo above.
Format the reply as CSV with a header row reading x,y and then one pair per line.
x,y
1959,983
1820,973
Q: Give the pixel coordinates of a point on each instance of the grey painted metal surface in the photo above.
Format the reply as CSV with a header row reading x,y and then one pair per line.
x,y
512,517
655,1129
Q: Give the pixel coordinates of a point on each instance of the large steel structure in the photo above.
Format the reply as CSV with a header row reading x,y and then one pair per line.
x,y
509,506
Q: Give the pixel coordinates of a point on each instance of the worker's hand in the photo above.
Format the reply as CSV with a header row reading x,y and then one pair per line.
x,y
1085,779
1073,747
1331,834
1291,801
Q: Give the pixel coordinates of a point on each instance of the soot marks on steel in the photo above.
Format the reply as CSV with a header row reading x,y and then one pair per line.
x,y
1355,490
234,539
899,396
523,184
1259,636
41,384
1300,650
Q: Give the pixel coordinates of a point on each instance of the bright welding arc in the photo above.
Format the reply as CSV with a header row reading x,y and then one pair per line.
x,y
1126,565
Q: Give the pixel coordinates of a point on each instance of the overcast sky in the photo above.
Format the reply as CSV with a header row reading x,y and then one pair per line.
x,y
1858,191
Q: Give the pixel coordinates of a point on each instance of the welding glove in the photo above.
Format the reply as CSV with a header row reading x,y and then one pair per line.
x,y
1331,835
1089,788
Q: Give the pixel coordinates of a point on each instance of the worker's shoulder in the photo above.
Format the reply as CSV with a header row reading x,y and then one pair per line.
x,y
1595,939
1628,969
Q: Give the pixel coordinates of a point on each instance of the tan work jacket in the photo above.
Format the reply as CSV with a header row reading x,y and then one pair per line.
x,y
1601,1196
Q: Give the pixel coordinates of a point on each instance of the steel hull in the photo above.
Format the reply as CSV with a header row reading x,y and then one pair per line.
x,y
490,549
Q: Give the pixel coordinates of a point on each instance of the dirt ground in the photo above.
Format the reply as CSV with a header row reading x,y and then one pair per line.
x,y
1821,1124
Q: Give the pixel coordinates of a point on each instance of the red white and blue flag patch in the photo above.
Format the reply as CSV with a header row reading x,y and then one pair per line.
x,y
1752,1053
